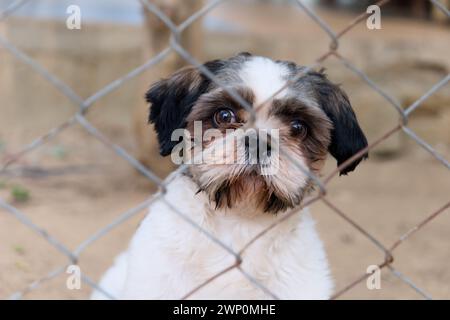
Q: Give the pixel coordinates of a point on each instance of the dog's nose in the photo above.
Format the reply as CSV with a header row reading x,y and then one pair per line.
x,y
254,147
268,147
250,142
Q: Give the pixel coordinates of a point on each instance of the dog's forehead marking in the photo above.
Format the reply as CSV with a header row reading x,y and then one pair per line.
x,y
265,77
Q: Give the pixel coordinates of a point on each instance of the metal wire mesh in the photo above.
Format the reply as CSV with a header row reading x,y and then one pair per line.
x,y
84,106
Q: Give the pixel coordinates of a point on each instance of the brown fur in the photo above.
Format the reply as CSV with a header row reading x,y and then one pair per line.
x,y
314,145
212,102
248,185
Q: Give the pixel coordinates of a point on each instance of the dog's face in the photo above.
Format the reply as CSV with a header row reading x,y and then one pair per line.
x,y
264,163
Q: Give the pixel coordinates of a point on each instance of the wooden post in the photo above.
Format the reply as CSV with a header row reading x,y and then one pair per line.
x,y
158,35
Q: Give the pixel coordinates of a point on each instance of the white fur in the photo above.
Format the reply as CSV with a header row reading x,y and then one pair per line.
x,y
167,257
264,77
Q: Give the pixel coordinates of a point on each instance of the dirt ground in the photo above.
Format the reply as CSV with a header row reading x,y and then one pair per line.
x,y
73,186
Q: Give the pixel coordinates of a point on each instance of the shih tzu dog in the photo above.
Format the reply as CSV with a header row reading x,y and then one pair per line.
x,y
237,184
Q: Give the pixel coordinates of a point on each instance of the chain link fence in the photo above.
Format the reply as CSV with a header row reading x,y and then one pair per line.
x,y
84,105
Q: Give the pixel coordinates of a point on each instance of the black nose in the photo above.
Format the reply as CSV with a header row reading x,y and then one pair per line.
x,y
268,147
250,142
254,147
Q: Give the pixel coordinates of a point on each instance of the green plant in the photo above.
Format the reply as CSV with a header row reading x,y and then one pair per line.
x,y
19,249
59,152
20,194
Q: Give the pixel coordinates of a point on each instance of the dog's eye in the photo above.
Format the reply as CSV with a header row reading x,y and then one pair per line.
x,y
224,116
299,128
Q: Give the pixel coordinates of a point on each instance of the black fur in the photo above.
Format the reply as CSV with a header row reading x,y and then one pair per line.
x,y
171,102
222,196
275,204
347,137
226,195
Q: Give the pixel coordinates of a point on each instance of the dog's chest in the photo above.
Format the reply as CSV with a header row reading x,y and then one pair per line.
x,y
197,259
169,256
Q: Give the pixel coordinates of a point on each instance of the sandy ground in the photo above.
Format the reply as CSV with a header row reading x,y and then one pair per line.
x,y
387,197
76,185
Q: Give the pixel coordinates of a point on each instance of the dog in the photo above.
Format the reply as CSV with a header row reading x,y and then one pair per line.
x,y
234,201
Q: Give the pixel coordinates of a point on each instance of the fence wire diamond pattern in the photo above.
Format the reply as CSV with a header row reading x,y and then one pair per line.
x,y
84,106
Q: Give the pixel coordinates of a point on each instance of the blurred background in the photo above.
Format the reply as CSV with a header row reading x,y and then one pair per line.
x,y
74,185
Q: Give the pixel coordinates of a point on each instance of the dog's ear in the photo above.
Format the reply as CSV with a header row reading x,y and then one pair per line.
x,y
347,138
171,100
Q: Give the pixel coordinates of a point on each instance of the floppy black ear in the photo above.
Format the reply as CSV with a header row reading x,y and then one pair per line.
x,y
347,137
172,100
